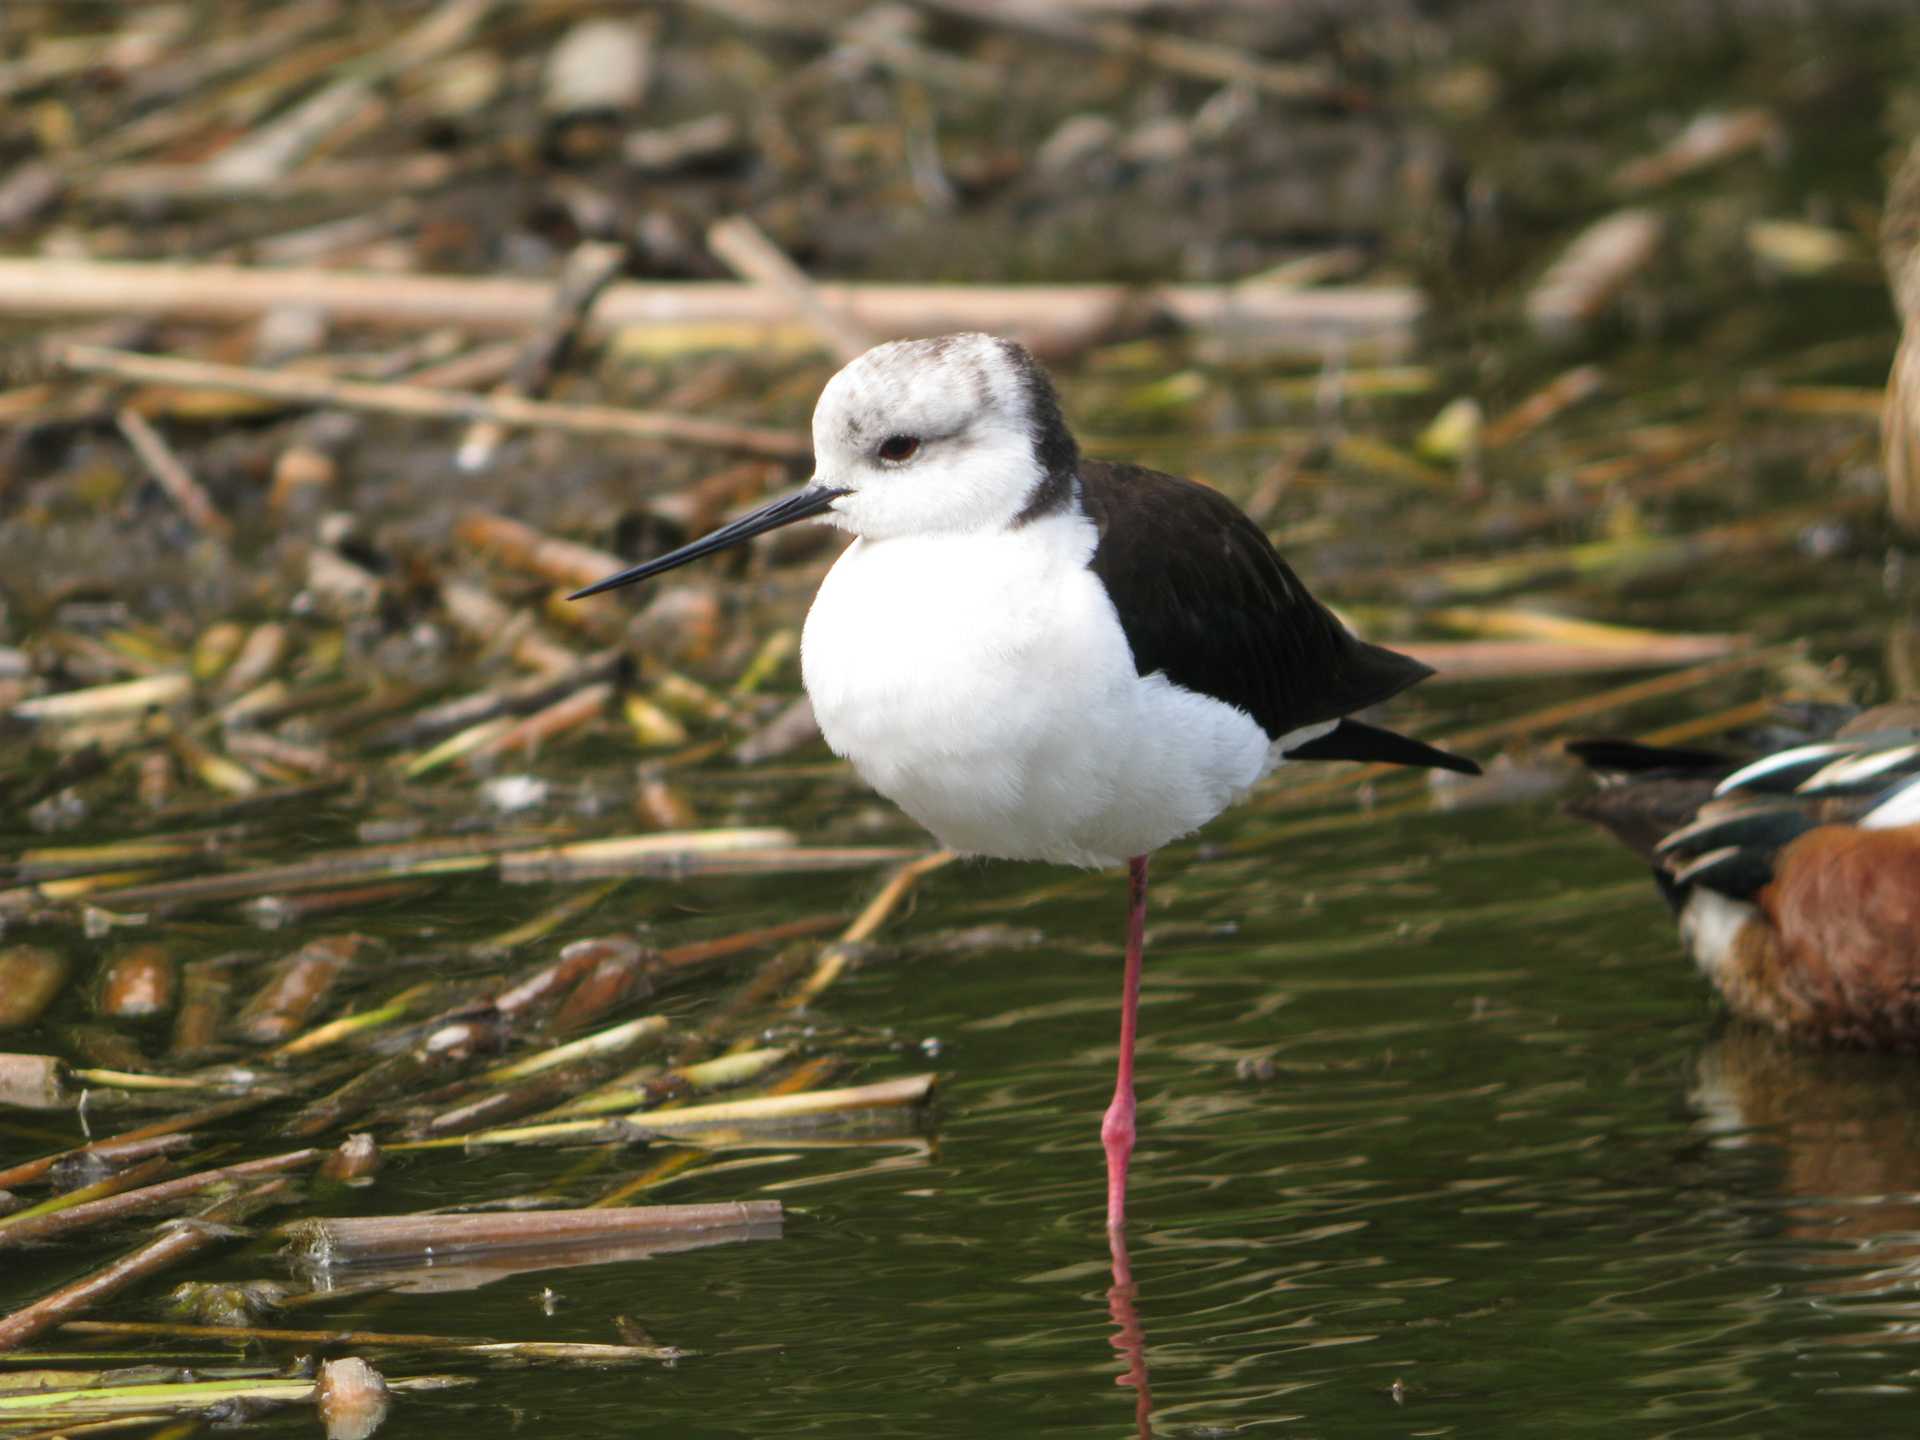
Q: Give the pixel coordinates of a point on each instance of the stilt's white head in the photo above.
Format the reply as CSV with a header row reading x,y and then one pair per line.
x,y
920,437
958,434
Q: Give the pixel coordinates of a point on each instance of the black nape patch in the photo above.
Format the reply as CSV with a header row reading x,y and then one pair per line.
x,y
1054,448
1052,495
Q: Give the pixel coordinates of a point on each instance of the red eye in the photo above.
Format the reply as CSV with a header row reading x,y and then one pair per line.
x,y
899,447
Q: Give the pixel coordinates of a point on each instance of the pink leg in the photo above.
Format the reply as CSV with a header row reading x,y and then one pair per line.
x,y
1116,1131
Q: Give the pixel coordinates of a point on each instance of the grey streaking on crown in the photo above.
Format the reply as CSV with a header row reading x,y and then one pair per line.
x,y
981,410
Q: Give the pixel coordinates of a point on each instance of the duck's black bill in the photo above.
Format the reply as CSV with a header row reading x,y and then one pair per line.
x,y
802,506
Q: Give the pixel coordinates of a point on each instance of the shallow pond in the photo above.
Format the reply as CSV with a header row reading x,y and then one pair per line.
x,y
1503,1168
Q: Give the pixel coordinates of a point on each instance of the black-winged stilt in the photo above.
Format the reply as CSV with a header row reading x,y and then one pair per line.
x,y
1044,657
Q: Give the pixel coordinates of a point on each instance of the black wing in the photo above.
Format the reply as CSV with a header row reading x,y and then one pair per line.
x,y
1203,596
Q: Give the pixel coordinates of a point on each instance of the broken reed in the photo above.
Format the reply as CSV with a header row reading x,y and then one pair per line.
x,y
351,1240
148,1154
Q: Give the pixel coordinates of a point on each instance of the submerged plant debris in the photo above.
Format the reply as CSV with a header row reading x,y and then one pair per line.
x,y
343,340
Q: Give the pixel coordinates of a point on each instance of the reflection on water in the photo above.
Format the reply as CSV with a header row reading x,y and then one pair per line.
x,y
1128,1336
1843,1128
1500,1174
1469,1193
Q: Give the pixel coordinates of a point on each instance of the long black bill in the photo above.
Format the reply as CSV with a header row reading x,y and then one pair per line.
x,y
801,506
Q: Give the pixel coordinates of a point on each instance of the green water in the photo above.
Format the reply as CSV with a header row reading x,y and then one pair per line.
x,y
1508,1174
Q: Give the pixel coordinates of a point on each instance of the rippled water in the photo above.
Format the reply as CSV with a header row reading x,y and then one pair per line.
x,y
1504,1169
1503,1174
1507,1173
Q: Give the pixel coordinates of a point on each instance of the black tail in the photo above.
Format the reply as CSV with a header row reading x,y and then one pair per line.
x,y
1353,740
1631,757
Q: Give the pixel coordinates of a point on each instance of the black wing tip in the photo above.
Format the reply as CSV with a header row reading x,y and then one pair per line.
x,y
1356,740
1407,664
1373,674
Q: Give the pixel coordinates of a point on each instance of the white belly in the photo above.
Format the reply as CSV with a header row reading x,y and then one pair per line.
x,y
984,685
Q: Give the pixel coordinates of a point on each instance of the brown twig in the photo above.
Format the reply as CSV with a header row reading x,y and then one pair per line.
x,y
588,272
751,255
699,952
129,1143
424,404
835,958
513,542
1052,317
1595,267
434,857
784,1111
179,1241
18,1230
346,1240
1459,660
140,185
1177,54
272,1335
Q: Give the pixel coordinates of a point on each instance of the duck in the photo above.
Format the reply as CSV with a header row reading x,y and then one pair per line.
x,y
1794,875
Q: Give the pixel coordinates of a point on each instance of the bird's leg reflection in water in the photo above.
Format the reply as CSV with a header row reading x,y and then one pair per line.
x,y
1128,1338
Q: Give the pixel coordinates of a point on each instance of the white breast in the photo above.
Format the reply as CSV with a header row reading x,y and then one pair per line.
x,y
984,685
1710,926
